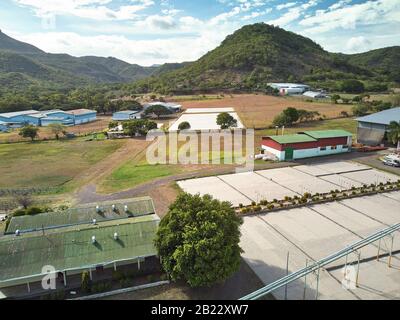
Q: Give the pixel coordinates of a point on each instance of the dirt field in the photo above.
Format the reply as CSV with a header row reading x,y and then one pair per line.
x,y
45,133
259,110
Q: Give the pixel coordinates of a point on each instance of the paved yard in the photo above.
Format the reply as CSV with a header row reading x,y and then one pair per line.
x,y
270,184
317,231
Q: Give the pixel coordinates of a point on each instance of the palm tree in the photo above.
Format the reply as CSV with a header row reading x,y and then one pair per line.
x,y
394,133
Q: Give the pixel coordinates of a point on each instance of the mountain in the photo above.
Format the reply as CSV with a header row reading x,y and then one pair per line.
x,y
19,60
257,54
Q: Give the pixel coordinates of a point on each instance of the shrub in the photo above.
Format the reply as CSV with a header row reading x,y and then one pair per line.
x,y
270,206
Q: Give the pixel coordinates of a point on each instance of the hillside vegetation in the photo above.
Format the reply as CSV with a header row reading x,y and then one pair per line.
x,y
19,60
260,53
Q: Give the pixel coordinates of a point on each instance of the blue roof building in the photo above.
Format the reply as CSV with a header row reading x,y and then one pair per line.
x,y
127,115
45,118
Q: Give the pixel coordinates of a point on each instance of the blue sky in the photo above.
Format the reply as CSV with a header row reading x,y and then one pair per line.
x,y
150,32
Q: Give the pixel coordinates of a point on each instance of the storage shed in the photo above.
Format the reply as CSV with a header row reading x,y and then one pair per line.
x,y
308,144
127,115
372,129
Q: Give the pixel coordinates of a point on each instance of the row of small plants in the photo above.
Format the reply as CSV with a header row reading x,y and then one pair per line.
x,y
307,198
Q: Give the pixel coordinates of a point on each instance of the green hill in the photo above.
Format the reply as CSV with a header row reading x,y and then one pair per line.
x,y
62,71
260,53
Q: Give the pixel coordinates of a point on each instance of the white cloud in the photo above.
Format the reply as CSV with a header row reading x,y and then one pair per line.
x,y
285,5
288,17
358,44
348,17
91,9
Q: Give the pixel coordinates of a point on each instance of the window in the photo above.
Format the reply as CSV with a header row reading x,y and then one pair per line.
x,y
334,148
323,148
345,146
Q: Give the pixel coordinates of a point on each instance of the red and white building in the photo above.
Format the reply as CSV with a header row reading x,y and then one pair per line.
x,y
308,144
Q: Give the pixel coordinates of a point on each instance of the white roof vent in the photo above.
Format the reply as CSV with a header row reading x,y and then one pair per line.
x,y
94,221
126,208
98,210
17,233
93,239
114,207
115,236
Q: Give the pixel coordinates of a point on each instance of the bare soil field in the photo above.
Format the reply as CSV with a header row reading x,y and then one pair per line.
x,y
258,111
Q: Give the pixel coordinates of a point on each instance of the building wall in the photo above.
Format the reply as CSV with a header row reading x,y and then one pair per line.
x,y
3,128
268,142
313,151
125,117
85,118
22,119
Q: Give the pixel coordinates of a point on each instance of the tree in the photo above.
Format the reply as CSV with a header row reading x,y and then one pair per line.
x,y
57,129
184,126
335,98
198,240
113,124
344,114
226,121
29,131
287,117
352,86
24,199
360,110
158,110
394,133
138,127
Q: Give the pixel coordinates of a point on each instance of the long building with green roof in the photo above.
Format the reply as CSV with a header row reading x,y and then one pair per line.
x,y
76,246
308,144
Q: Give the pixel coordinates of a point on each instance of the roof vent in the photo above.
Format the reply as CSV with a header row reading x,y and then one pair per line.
x,y
115,236
114,208
126,208
98,209
93,239
94,221
17,233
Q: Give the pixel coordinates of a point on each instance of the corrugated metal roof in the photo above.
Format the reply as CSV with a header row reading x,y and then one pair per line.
x,y
292,138
22,257
383,117
18,113
82,215
323,134
79,112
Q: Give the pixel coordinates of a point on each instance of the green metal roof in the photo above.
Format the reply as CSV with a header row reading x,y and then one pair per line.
x,y
82,215
292,138
22,257
328,134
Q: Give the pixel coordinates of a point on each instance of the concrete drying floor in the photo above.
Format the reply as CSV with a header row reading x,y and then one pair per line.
x,y
317,231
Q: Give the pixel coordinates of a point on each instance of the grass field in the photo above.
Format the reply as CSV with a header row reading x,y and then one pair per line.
x,y
258,111
50,164
132,174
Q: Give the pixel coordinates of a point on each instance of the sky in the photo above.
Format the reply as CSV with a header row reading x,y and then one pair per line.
x,y
149,32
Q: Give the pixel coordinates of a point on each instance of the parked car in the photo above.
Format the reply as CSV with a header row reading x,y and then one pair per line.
x,y
391,163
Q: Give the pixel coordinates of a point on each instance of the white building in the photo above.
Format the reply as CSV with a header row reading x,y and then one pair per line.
x,y
290,88
315,94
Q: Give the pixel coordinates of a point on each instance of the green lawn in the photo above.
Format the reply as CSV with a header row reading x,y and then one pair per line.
x,y
50,164
132,174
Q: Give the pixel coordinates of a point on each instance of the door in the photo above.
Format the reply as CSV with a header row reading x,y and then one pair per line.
x,y
289,154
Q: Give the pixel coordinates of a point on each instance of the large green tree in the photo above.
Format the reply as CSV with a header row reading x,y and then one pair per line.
x,y
226,121
57,129
198,240
287,117
158,110
394,133
138,127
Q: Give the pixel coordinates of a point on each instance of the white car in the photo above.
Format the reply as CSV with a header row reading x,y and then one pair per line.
x,y
391,162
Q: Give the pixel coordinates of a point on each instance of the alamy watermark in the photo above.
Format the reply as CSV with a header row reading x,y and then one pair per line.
x,y
186,147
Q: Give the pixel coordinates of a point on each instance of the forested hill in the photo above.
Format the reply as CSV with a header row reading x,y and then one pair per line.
x,y
260,53
23,65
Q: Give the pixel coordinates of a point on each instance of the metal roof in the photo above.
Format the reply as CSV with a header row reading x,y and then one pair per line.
x,y
78,112
18,113
23,257
383,117
324,134
292,138
128,112
82,215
